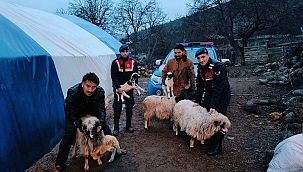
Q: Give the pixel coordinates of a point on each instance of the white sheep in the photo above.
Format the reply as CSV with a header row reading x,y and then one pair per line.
x,y
168,88
159,106
197,122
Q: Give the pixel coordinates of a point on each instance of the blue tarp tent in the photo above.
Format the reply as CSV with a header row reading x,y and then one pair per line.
x,y
42,55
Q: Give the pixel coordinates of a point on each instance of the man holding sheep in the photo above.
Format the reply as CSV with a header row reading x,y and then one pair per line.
x,y
183,71
213,92
122,69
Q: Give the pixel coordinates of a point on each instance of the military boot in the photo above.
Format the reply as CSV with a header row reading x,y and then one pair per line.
x,y
215,144
105,158
116,127
128,124
215,150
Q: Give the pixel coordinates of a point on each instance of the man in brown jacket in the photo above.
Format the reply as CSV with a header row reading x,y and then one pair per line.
x,y
183,70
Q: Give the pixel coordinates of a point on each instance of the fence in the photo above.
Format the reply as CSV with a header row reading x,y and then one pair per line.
x,y
266,54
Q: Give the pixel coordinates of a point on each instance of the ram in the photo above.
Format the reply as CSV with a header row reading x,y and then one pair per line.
x,y
159,106
197,122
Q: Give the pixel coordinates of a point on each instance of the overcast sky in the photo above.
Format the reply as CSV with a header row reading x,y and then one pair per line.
x,y
173,8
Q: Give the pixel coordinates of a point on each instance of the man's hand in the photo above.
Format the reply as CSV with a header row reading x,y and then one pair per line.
x,y
79,126
187,86
211,110
135,87
196,104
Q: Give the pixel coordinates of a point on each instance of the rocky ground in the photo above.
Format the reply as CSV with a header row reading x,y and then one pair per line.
x,y
251,135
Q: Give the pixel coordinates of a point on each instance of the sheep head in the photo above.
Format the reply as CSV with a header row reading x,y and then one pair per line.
x,y
169,75
91,128
134,76
220,121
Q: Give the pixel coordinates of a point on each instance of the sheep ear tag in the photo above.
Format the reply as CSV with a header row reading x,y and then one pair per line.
x,y
217,73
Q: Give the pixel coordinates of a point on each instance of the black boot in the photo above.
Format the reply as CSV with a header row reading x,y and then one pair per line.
x,y
116,127
215,144
215,150
105,158
128,123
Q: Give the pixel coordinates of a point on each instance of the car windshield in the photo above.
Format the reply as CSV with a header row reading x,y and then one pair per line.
x,y
191,54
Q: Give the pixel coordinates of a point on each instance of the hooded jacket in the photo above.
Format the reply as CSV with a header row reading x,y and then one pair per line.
x,y
183,74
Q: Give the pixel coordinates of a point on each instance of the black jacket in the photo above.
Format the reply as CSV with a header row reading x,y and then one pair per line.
x,y
212,79
122,74
77,105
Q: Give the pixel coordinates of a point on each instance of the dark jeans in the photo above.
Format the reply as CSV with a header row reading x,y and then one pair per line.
x,y
129,103
67,140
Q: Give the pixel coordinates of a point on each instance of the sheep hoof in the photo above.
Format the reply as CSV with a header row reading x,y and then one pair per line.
x,y
145,129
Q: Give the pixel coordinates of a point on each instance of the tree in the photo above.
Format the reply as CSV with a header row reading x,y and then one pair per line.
x,y
133,16
98,12
152,29
61,11
239,20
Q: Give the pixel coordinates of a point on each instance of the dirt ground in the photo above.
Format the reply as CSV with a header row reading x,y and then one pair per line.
x,y
158,149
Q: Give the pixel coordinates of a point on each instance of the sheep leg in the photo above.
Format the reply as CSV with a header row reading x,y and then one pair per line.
x,y
125,95
140,88
175,128
86,165
146,121
172,91
192,142
99,161
75,150
168,92
118,95
138,91
164,90
112,157
95,156
118,149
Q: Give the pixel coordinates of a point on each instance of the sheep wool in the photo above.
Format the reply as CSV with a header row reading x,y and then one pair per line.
x,y
159,106
197,122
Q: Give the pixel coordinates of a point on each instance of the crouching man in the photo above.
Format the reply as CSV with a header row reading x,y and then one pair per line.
x,y
83,98
213,92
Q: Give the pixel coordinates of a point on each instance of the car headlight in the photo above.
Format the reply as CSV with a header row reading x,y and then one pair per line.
x,y
156,79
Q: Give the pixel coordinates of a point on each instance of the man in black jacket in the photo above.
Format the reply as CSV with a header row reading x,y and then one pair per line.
x,y
122,69
213,92
82,99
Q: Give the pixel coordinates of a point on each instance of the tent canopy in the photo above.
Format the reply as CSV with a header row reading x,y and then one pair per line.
x,y
42,55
